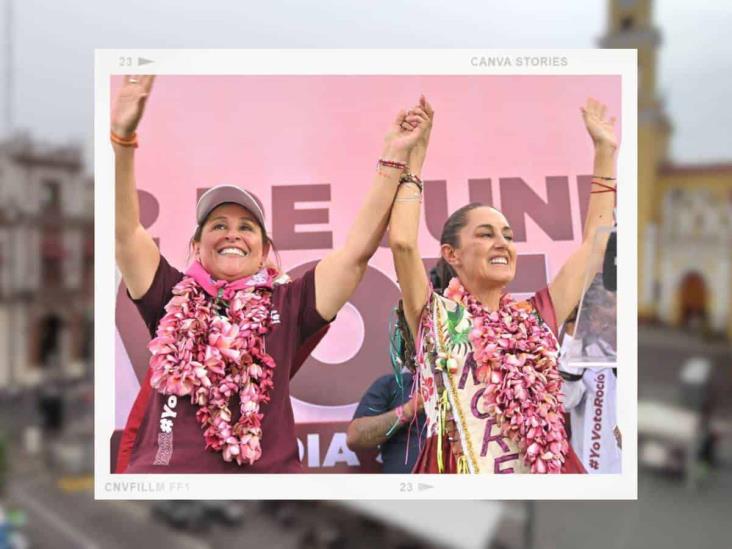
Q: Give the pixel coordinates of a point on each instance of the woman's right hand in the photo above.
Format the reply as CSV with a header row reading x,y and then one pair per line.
x,y
407,129
129,104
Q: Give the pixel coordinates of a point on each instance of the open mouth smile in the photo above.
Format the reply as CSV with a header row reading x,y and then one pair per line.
x,y
232,251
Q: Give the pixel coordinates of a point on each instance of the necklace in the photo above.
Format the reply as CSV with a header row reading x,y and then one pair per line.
x,y
515,356
212,354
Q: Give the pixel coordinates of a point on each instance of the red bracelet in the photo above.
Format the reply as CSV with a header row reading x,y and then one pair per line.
x,y
606,188
130,141
392,164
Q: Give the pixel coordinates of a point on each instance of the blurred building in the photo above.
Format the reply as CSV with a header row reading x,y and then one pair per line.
x,y
46,263
684,211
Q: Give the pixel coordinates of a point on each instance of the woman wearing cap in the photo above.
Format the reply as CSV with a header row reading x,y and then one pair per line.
x,y
227,335
487,365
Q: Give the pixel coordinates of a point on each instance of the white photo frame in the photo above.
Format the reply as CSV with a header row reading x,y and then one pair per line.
x,y
365,62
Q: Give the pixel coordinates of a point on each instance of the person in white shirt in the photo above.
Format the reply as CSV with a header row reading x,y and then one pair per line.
x,y
590,398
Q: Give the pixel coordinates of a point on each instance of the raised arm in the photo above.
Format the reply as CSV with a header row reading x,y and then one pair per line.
x,y
404,233
339,273
136,252
567,287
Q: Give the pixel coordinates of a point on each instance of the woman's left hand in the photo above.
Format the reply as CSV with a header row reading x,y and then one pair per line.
x,y
419,151
601,130
424,110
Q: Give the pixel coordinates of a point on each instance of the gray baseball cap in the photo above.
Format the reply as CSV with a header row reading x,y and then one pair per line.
x,y
222,194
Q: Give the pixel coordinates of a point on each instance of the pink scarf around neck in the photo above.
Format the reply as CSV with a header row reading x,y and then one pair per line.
x,y
261,279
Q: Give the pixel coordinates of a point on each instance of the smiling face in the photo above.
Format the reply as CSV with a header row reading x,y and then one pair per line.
x,y
486,254
232,244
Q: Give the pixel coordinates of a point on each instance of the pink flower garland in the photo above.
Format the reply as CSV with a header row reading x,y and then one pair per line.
x,y
212,357
515,355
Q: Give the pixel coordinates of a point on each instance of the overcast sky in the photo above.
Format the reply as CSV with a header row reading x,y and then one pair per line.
x,y
54,40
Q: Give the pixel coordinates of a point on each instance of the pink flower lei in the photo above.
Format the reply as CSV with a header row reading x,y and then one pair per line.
x,y
515,355
213,357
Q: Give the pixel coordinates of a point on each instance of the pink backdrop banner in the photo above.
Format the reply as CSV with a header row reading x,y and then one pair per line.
x,y
307,147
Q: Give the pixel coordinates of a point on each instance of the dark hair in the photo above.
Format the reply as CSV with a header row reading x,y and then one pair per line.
x,y
442,272
265,239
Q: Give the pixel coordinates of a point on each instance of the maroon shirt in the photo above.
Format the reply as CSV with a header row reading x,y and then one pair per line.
x,y
182,449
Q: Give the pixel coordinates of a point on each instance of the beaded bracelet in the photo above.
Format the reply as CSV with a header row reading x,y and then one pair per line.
x,y
411,178
130,141
392,164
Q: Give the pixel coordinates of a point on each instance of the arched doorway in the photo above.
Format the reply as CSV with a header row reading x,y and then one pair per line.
x,y
693,299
